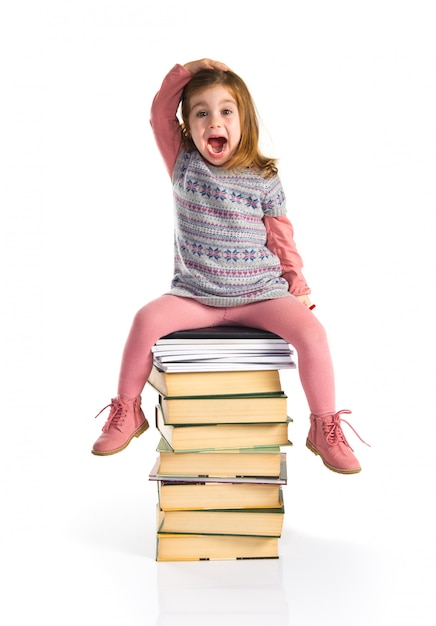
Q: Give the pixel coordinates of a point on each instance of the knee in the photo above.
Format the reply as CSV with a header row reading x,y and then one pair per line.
x,y
146,318
155,319
312,335
141,316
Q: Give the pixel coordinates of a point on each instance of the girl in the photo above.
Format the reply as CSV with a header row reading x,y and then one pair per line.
x,y
235,259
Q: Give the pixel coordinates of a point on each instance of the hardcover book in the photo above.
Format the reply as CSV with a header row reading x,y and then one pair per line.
x,y
218,495
259,522
232,462
222,436
281,479
225,409
214,383
218,333
211,547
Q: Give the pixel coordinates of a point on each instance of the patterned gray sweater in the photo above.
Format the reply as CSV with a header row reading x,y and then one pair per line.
x,y
221,258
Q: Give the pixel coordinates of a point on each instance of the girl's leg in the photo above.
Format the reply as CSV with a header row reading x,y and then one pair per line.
x,y
156,319
290,319
294,322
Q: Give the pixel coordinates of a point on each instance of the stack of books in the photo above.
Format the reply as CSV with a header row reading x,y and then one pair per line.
x,y
220,469
231,348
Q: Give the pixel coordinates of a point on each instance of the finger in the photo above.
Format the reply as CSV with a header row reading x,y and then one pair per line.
x,y
217,65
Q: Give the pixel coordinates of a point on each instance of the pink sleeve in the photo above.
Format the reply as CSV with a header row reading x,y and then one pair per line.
x,y
163,115
280,240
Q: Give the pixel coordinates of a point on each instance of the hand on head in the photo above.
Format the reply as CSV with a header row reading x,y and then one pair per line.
x,y
205,64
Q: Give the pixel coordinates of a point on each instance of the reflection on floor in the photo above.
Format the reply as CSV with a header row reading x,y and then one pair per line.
x,y
217,593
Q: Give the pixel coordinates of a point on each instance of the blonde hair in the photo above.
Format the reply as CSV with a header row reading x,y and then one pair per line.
x,y
248,153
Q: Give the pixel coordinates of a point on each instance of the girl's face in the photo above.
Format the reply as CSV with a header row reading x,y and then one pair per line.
x,y
214,124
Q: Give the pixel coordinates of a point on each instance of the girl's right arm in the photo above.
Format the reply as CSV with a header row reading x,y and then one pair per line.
x,y
163,116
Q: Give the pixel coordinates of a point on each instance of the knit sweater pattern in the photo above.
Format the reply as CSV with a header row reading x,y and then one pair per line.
x,y
221,258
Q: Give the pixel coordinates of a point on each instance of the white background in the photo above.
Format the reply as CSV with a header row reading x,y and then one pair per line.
x,y
346,94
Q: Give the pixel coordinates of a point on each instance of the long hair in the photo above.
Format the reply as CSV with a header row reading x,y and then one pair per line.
x,y
247,153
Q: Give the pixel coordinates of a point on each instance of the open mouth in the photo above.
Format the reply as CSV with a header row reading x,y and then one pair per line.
x,y
216,145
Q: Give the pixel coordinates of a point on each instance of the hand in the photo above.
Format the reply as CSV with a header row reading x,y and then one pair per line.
x,y
205,64
304,299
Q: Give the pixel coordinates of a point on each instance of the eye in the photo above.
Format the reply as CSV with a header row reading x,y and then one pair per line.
x,y
201,114
227,112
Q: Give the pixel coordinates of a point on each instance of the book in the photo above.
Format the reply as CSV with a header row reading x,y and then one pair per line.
x,y
220,333
260,522
211,362
233,462
222,436
234,355
214,383
206,351
180,547
218,366
281,479
202,495
225,409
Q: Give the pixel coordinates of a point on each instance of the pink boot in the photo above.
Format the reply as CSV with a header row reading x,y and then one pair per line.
x,y
126,420
327,439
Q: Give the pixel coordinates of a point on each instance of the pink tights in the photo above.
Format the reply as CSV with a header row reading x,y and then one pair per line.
x,y
287,317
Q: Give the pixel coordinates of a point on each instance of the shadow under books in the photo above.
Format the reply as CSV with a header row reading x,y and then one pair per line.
x,y
297,587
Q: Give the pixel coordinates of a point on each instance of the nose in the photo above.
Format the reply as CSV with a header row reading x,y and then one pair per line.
x,y
214,120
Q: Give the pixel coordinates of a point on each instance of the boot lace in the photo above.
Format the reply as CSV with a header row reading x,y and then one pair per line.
x,y
116,416
333,430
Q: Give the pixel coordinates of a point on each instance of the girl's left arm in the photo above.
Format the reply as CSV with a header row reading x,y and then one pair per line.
x,y
280,240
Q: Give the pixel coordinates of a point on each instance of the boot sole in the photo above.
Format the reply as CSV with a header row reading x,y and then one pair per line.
x,y
316,452
137,433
